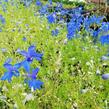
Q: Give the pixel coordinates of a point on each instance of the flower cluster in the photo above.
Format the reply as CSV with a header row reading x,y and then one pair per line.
x,y
75,20
13,70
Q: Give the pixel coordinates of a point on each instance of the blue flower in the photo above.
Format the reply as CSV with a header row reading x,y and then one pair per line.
x,y
12,70
55,32
105,76
43,10
2,19
88,21
71,30
105,26
34,73
38,3
51,18
31,54
35,84
31,80
104,39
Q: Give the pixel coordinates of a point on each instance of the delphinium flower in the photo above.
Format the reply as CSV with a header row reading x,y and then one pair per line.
x,y
11,70
2,19
29,56
71,29
44,10
105,76
55,32
96,33
38,3
104,27
32,81
104,39
51,18
92,20
74,25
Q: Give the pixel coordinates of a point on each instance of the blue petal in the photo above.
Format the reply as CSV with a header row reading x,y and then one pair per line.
x,y
24,53
34,73
17,66
35,84
105,76
7,76
38,58
8,66
31,50
35,70
26,66
37,55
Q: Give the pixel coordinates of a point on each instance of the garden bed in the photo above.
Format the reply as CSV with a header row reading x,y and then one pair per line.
x,y
53,56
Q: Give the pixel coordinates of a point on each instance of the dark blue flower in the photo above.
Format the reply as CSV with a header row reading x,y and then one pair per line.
x,y
96,33
31,54
55,32
104,39
51,18
35,84
34,73
31,80
38,3
44,10
12,70
92,20
2,19
104,26
105,76
71,30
